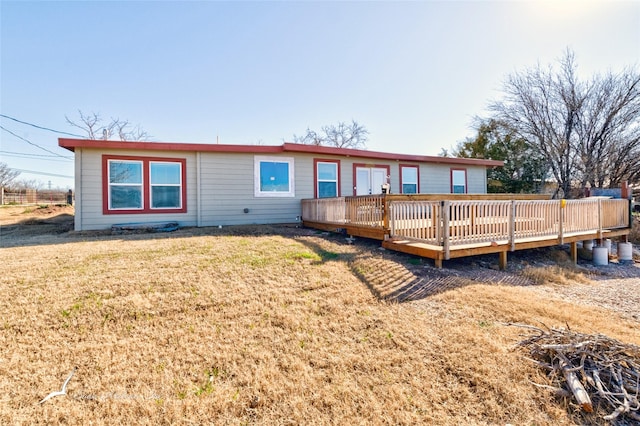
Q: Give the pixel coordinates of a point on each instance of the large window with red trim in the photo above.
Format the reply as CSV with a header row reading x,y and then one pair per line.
x,y
143,185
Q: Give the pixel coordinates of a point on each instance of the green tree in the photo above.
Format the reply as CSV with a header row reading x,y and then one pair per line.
x,y
524,169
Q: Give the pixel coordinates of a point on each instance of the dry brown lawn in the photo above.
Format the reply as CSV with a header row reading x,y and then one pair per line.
x,y
258,325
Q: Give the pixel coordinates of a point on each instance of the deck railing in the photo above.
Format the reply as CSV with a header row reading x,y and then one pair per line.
x,y
367,211
451,223
325,210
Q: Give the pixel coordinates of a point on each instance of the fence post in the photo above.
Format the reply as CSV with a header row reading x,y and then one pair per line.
x,y
446,206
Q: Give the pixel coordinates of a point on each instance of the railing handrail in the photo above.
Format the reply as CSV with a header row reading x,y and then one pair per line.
x,y
453,222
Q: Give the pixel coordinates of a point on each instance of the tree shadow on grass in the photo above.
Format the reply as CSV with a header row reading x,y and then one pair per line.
x,y
401,277
402,280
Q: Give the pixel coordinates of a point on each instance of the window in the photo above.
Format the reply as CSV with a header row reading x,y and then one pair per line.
x,y
125,185
165,185
458,181
327,174
409,179
143,185
273,177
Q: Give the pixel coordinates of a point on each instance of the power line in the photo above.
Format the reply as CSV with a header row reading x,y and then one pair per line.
x,y
40,127
31,143
42,173
33,156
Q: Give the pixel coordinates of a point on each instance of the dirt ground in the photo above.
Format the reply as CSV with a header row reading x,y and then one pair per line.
x,y
18,222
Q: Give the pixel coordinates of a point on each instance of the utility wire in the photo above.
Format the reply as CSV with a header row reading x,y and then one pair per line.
x,y
42,173
33,156
31,143
40,127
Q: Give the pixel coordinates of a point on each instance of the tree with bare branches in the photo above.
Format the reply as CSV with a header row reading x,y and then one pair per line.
x,y
343,135
7,175
96,128
587,131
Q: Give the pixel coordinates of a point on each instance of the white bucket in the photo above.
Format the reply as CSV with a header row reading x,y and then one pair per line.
x,y
587,245
600,256
607,244
625,251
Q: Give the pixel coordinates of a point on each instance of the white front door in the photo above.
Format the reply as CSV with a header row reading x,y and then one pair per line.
x,y
369,180
378,178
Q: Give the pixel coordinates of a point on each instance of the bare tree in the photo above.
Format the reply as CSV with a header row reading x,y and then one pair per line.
x,y
21,185
7,175
609,130
95,128
586,132
342,135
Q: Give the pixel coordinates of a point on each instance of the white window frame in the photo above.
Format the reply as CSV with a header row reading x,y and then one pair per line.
x,y
140,185
151,185
334,164
406,182
463,173
258,159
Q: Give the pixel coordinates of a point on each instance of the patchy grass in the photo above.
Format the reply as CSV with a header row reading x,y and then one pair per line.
x,y
565,274
253,327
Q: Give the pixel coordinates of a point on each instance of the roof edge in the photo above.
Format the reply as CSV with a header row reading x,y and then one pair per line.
x,y
72,144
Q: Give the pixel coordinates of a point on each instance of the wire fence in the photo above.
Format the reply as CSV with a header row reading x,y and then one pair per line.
x,y
32,196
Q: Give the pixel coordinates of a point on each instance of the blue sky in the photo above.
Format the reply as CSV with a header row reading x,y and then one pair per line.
x,y
414,73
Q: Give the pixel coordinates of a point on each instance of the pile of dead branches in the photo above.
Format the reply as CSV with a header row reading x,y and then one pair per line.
x,y
599,372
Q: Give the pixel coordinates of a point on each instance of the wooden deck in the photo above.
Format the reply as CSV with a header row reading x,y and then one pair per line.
x,y
446,226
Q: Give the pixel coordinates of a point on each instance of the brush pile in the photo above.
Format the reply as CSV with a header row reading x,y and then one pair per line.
x,y
602,374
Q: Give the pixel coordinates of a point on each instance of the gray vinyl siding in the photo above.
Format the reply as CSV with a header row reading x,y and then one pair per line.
x,y
227,188
220,185
90,199
477,180
436,178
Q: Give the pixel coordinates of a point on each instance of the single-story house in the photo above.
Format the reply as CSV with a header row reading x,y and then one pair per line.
x,y
211,184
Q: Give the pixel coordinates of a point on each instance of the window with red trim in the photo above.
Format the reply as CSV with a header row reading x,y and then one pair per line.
x,y
327,178
409,178
459,181
143,185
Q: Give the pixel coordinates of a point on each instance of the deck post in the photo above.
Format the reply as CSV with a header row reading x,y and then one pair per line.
x,y
502,263
574,252
512,226
561,204
599,220
446,206
385,215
